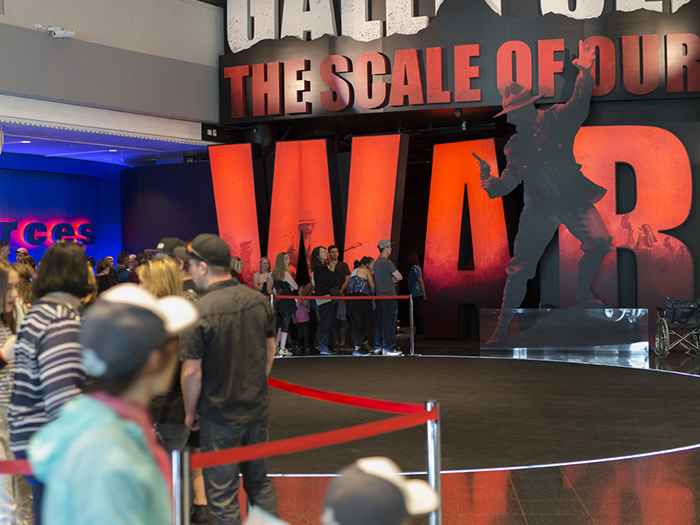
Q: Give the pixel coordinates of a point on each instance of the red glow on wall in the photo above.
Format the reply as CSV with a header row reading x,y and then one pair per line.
x,y
234,194
301,199
664,265
375,198
453,169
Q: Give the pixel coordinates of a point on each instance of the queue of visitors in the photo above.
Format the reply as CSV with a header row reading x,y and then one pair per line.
x,y
105,369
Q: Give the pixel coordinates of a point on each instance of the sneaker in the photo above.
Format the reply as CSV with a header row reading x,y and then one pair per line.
x,y
377,351
200,514
392,352
327,352
358,351
285,352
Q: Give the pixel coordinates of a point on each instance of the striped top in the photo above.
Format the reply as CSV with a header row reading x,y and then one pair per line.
x,y
48,369
6,373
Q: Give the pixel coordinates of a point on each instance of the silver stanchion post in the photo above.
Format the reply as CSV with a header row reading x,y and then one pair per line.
x,y
410,324
272,300
434,461
181,487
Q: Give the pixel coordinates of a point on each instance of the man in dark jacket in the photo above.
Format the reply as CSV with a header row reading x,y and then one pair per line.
x,y
228,355
541,156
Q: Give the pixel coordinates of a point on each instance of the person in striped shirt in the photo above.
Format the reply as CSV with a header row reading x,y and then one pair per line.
x,y
48,368
15,505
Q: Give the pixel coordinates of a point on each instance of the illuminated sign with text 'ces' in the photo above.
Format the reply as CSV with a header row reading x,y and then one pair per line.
x,y
36,233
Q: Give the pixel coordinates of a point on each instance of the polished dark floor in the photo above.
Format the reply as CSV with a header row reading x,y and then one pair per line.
x,y
656,489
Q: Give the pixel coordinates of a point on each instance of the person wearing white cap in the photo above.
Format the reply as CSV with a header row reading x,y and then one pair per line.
x,y
371,491
100,460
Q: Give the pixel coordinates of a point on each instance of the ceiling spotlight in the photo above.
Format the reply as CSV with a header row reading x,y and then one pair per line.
x,y
112,150
25,141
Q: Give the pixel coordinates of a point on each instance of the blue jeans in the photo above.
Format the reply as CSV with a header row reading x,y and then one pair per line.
x,y
221,483
385,324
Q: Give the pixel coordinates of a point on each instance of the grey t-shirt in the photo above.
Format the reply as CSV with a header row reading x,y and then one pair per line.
x,y
383,268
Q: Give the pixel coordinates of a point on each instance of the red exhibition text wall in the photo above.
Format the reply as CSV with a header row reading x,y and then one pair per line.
x,y
301,207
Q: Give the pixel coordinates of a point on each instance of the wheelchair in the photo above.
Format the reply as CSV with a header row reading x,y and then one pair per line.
x,y
678,326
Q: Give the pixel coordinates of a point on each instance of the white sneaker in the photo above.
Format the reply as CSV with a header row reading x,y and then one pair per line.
x,y
285,352
392,352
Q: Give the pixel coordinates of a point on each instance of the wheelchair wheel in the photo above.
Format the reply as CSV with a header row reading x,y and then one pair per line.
x,y
661,349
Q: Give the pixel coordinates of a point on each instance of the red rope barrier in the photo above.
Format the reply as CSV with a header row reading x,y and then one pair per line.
x,y
299,444
343,399
18,466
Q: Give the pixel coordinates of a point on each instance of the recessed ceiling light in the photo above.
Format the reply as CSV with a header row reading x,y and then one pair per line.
x,y
112,150
25,141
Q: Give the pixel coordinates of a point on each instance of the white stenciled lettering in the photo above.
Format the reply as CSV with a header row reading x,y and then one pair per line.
x,y
495,5
400,19
584,8
676,4
250,21
355,24
633,5
308,19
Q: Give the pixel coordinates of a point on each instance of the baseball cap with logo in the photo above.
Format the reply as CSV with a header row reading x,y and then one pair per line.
x,y
166,246
206,247
23,251
372,492
120,331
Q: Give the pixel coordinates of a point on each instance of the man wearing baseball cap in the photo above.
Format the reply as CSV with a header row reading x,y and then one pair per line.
x,y
228,355
371,491
99,459
21,254
385,277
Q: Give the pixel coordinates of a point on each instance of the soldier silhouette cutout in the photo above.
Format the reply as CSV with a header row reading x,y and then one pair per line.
x,y
540,155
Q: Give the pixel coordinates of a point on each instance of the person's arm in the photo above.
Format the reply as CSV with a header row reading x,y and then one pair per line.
x,y
421,286
288,277
575,110
510,178
191,380
270,284
7,352
397,275
345,285
271,349
256,282
372,285
59,355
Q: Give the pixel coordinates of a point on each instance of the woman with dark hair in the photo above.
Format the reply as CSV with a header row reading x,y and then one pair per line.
x,y
15,505
26,284
281,282
416,287
104,277
323,279
360,283
48,367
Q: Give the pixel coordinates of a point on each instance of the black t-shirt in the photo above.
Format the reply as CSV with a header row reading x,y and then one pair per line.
x,y
341,272
230,338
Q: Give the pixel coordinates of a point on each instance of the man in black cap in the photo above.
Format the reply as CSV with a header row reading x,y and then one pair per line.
x,y
228,355
541,156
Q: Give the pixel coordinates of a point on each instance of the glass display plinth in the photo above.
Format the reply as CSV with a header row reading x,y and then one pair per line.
x,y
600,335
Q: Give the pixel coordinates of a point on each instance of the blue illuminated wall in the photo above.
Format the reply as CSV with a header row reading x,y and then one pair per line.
x,y
51,192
